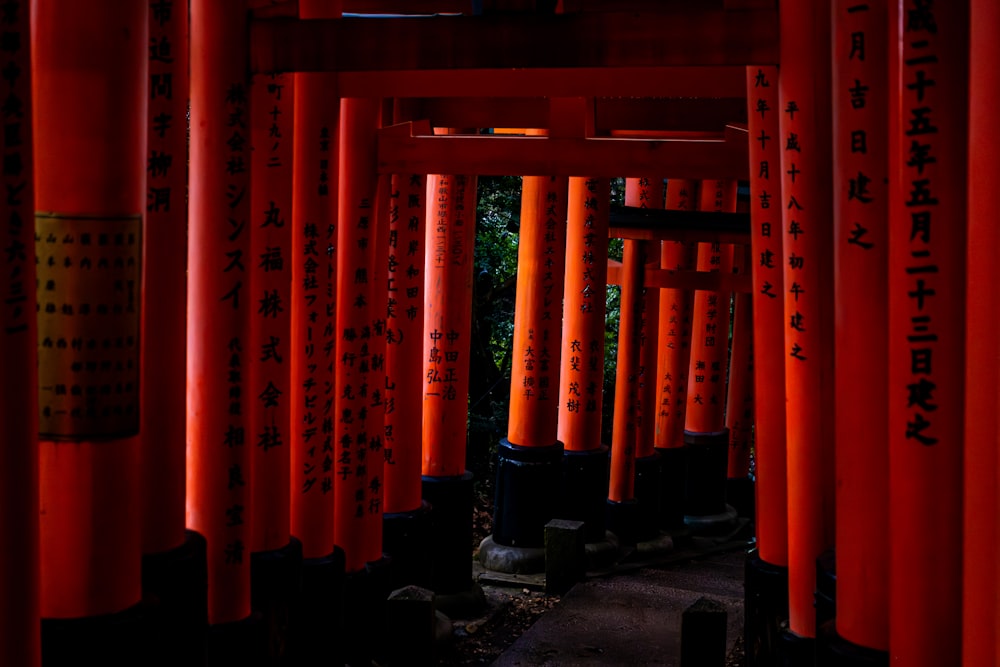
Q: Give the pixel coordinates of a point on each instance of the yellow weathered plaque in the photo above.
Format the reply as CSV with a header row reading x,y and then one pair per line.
x,y
88,325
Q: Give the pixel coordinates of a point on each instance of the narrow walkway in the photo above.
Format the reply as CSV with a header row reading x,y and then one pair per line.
x,y
633,615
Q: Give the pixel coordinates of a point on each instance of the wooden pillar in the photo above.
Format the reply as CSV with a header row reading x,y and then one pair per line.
x,y
804,139
447,485
89,63
927,282
219,397
980,617
672,363
531,455
766,569
860,158
581,379
705,434
739,394
19,582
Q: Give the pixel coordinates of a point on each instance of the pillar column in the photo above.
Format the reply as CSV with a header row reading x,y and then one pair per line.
x,y
532,460
276,557
705,434
359,374
804,139
767,565
647,192
19,583
173,562
860,158
447,485
581,380
739,396
90,67
313,266
927,281
219,395
406,521
672,364
982,360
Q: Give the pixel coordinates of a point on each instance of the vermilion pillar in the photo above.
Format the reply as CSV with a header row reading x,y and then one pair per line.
x,y
89,64
276,558
358,404
860,158
766,568
647,192
674,343
804,137
447,486
927,262
19,583
705,434
312,263
219,394
531,455
739,395
406,520
623,518
980,616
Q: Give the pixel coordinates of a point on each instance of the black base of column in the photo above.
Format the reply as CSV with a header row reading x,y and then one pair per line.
x,y
585,490
365,595
406,538
741,495
450,550
795,650
175,596
623,521
832,650
115,640
237,643
705,483
765,610
317,623
526,493
647,495
826,588
275,588
673,473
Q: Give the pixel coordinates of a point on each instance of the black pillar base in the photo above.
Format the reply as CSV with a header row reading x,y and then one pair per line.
x,y
795,650
317,623
406,538
705,484
765,610
673,472
451,545
526,493
647,494
741,494
832,650
623,521
237,643
826,588
365,595
175,595
275,588
585,490
113,640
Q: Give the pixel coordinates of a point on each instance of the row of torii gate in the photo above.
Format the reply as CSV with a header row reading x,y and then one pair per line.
x,y
327,265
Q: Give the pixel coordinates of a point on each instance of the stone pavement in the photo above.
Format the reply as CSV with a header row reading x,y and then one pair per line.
x,y
632,615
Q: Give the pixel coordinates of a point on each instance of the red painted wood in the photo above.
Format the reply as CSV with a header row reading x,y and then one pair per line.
x,y
927,317
89,162
739,390
806,203
860,259
582,378
219,396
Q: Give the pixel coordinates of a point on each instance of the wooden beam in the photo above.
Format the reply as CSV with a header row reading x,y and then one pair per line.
x,y
548,156
714,281
630,222
588,39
